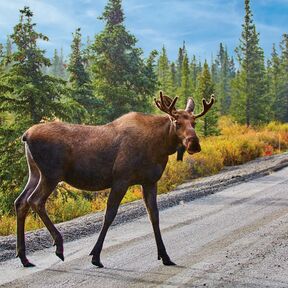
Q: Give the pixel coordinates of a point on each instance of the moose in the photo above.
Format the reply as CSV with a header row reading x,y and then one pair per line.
x,y
132,149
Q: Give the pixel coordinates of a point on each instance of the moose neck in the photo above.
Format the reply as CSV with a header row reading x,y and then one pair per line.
x,y
170,138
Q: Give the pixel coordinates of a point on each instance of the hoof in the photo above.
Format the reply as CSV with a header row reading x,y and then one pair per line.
x,y
97,262
166,261
60,255
26,263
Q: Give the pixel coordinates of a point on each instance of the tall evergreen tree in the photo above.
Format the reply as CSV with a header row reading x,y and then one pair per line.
x,y
223,83
57,68
8,48
172,89
119,72
181,53
185,90
80,84
282,99
251,60
163,70
151,80
193,73
274,83
26,96
1,57
214,71
204,90
87,55
54,68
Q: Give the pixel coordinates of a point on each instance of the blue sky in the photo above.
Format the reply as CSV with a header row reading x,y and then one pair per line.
x,y
203,24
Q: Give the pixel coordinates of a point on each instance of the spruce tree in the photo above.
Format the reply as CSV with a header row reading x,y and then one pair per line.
x,y
87,55
1,58
119,72
80,84
193,73
163,71
151,81
57,68
274,83
208,124
214,71
172,89
181,54
8,53
26,97
251,60
223,83
77,74
185,90
54,68
282,99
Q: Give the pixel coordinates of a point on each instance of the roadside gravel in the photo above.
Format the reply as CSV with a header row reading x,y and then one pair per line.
x,y
90,224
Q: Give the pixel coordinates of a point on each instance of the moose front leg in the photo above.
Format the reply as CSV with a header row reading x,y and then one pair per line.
x,y
150,198
116,195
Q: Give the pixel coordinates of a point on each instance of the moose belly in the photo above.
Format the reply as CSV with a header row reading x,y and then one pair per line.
x,y
89,177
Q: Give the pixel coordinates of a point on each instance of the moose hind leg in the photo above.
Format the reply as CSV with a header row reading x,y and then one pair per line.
x,y
150,198
22,208
37,201
115,197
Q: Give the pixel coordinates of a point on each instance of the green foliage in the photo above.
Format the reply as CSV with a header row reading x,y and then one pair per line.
x,y
225,73
205,89
57,68
81,89
181,53
163,70
194,72
27,96
120,75
172,88
282,99
252,73
274,83
185,90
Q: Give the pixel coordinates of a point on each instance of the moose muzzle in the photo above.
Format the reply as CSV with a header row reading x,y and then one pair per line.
x,y
192,144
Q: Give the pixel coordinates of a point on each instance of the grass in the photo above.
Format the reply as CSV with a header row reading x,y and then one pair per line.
x,y
235,145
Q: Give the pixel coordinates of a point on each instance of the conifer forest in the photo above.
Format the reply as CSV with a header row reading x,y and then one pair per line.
x,y
107,76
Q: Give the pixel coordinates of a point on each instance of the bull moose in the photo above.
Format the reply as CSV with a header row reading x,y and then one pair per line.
x,y
132,149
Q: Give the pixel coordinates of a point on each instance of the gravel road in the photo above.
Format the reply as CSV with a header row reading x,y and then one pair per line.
x,y
235,237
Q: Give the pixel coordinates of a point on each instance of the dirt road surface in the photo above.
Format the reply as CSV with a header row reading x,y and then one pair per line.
x,y
237,237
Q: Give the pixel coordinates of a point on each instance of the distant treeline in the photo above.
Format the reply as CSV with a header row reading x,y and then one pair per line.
x,y
109,76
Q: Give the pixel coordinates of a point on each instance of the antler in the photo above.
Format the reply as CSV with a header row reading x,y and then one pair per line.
x,y
166,104
206,106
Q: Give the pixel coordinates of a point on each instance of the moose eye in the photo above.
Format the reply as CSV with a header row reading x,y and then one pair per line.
x,y
193,125
178,125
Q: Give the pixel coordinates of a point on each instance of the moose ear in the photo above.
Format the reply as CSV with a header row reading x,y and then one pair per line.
x,y
190,105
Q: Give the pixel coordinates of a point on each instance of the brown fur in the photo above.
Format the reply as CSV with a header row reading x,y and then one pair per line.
x,y
133,149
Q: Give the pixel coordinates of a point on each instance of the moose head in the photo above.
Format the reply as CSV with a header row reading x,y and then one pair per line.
x,y
184,121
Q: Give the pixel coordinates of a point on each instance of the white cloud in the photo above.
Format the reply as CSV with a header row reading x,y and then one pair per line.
x,y
92,13
44,14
